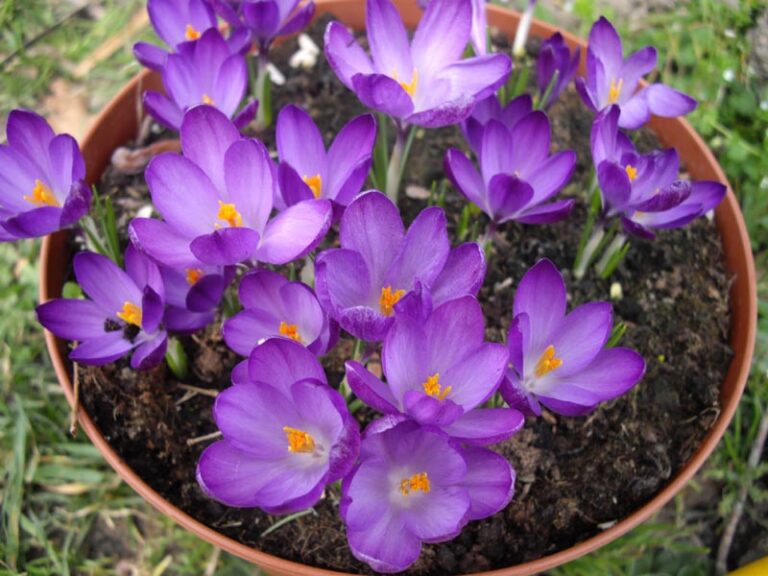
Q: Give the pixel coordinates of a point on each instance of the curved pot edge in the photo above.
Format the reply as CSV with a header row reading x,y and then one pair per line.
x,y
676,132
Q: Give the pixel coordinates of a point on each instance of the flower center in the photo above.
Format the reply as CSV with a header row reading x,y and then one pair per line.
x,y
410,88
315,184
42,196
230,215
417,482
388,299
547,362
130,314
193,275
191,33
433,388
298,440
290,331
208,100
615,90
631,172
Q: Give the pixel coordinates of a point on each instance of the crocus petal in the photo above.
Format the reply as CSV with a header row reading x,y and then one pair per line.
x,y
582,335
384,544
151,310
249,182
300,20
66,162
101,350
72,319
465,177
479,77
517,340
245,330
371,226
370,389
353,145
162,109
183,194
490,482
77,204
143,271
605,43
230,84
296,231
281,363
550,176
345,55
162,242
150,354
486,426
453,330
402,357
463,273
508,194
227,473
388,39
299,142
475,378
150,56
341,279
246,115
668,102
383,94
638,65
182,321
611,374
34,223
547,213
495,150
206,293
541,295
532,137
439,523
430,411
442,34
603,135
423,251
226,247
206,135
614,184
292,186
263,18
105,282
634,112
30,135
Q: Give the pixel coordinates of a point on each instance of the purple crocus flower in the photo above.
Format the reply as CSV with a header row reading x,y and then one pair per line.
x,y
611,79
555,57
124,312
517,175
42,186
202,72
276,307
438,371
217,200
180,21
644,190
378,263
413,485
266,19
307,171
287,434
491,109
423,82
192,296
560,360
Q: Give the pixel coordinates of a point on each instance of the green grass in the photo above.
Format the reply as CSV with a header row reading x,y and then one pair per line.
x,y
65,512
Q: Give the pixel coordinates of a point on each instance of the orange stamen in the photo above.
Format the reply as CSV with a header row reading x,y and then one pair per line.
x,y
388,300
42,196
299,441
417,482
547,362
433,388
130,314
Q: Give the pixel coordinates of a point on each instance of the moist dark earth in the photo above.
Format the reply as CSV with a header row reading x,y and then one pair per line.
x,y
575,476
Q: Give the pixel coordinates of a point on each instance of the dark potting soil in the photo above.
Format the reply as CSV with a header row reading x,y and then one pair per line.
x,y
575,476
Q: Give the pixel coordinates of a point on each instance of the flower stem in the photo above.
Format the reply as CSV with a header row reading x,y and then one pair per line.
x,y
613,256
398,159
581,263
263,91
586,256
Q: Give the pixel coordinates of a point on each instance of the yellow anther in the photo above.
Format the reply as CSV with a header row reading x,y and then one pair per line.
x,y
414,484
229,214
388,300
193,275
615,90
547,362
42,196
130,314
208,100
191,33
298,440
408,87
290,331
433,388
631,172
315,184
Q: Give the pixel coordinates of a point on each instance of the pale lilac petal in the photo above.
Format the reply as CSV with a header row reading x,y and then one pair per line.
x,y
30,135
478,77
206,135
495,151
150,354
102,350
547,213
299,142
668,102
453,330
476,377
388,40
636,66
429,411
341,279
353,145
245,330
34,223
246,115
423,251
614,185
541,295
66,162
230,85
486,426
383,94
281,362
105,282
490,482
531,137
442,35
370,389
150,56
162,242
605,43
249,182
465,177
298,21
162,109
463,274
384,544
634,112
582,336
225,247
548,178
77,204
345,55
296,231
403,358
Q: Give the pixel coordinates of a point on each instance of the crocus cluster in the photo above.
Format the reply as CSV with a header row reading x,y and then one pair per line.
x,y
436,394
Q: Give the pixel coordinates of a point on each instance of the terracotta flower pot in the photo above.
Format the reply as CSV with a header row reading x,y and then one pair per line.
x,y
119,123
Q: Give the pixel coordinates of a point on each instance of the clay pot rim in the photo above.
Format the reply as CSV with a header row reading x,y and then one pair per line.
x,y
743,330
